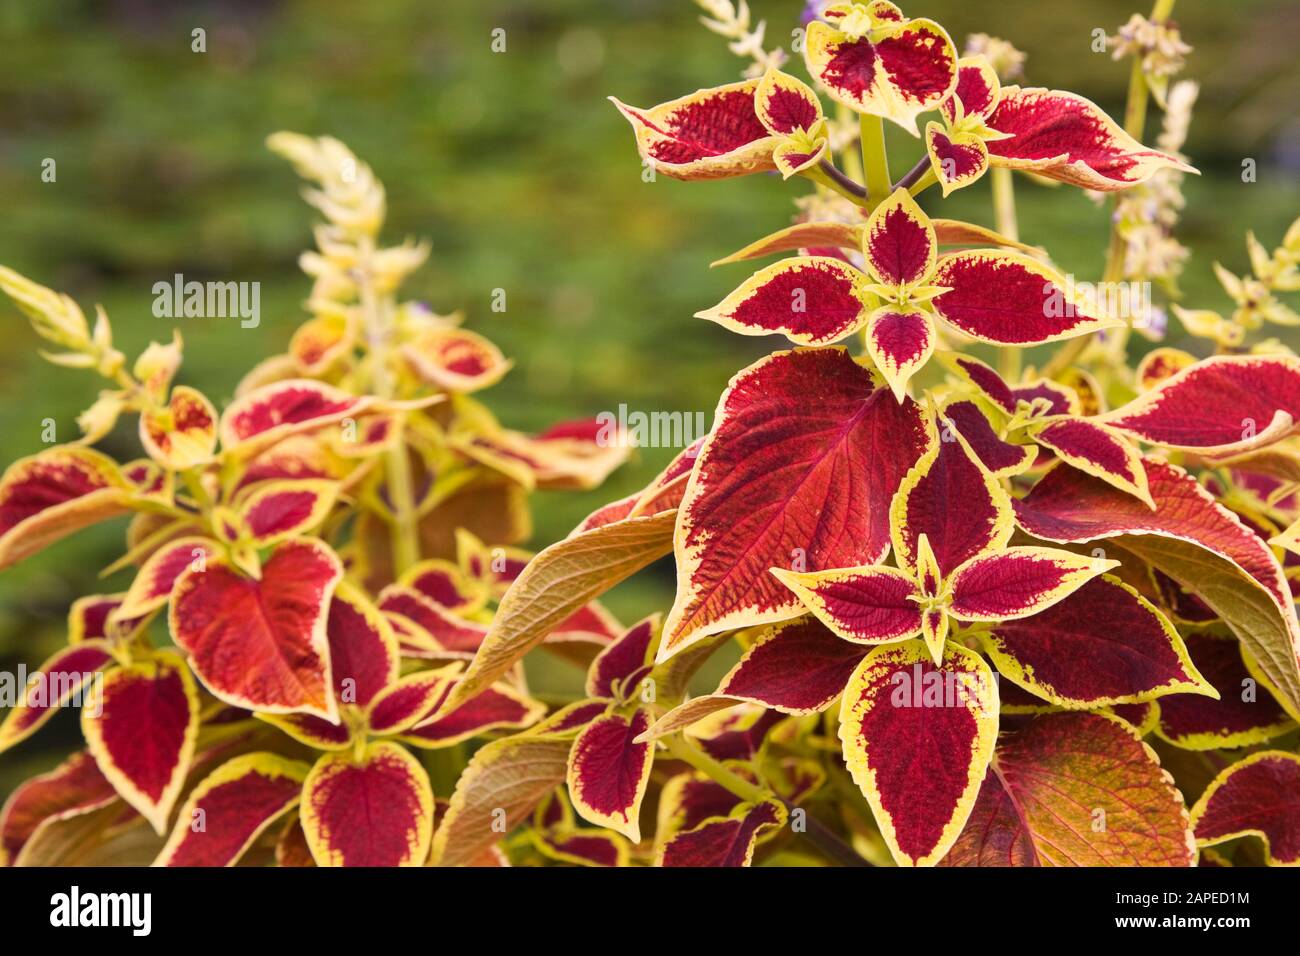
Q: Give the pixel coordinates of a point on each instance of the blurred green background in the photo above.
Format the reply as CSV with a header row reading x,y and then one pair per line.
x,y
522,176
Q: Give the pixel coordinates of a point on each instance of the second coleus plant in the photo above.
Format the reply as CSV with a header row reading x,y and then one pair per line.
x,y
974,608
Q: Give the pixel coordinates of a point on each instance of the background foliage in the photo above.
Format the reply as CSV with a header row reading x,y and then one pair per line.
x,y
523,177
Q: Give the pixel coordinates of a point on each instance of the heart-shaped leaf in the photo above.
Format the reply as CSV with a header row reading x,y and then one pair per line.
x,y
371,809
1075,790
261,644
784,481
143,730
230,808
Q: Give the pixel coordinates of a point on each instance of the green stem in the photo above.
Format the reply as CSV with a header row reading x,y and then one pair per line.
x,y
1004,219
194,484
1009,364
377,315
401,493
1004,203
1135,117
817,833
1066,355
444,767
875,161
927,179
680,748
851,162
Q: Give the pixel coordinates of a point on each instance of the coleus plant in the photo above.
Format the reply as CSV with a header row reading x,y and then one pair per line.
x,y
306,572
979,613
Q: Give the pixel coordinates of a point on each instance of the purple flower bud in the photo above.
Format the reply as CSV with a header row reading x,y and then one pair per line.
x,y
812,10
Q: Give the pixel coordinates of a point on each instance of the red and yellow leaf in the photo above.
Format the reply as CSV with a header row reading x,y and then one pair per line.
x,y
811,300
783,481
261,644
952,501
316,732
899,241
70,671
1076,790
910,69
1017,582
231,808
843,235
795,667
92,617
978,89
183,433
918,739
957,158
899,340
571,718
617,667
72,788
1220,406
321,341
724,841
709,134
408,700
153,583
371,809
262,417
867,605
54,494
1104,644
985,380
793,157
277,510
1099,450
456,360
1243,714
609,770
498,707
1007,298
1254,797
1065,137
447,585
1002,459
1191,538
687,800
785,105
143,730
364,657
1160,364
738,734
583,847
429,624
296,457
